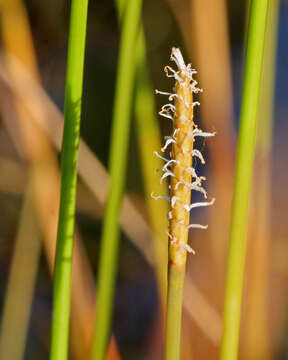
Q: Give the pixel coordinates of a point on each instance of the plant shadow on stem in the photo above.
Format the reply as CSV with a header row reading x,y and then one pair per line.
x,y
65,235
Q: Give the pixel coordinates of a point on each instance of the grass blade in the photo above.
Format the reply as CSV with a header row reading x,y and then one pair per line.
x,y
117,168
244,170
65,236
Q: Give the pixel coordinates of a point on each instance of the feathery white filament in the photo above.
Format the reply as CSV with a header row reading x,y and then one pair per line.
x,y
165,175
160,197
198,204
187,248
170,162
173,201
160,157
198,132
198,154
197,226
173,74
169,141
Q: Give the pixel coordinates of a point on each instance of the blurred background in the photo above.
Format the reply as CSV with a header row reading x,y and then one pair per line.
x,y
211,35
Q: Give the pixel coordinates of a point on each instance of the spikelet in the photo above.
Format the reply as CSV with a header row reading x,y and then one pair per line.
x,y
179,165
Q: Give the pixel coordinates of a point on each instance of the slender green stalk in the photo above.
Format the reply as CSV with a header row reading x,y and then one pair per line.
x,y
117,167
266,100
148,133
65,236
244,170
174,312
257,337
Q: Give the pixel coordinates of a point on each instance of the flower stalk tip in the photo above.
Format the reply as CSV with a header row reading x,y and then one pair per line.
x,y
179,167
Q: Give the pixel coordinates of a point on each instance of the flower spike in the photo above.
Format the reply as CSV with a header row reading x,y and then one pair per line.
x,y
180,166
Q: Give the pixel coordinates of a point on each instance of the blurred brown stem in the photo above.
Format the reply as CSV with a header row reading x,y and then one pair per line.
x,y
19,293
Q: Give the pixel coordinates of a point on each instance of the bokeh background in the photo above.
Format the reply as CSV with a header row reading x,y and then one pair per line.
x,y
211,35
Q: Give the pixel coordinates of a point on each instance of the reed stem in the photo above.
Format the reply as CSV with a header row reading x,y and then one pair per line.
x,y
174,311
243,177
148,132
69,156
257,342
117,169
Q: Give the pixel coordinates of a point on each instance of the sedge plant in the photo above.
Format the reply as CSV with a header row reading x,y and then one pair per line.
x,y
243,177
179,166
117,169
69,156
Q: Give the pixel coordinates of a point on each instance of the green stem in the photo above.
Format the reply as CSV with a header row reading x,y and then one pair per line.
x,y
266,101
244,170
148,133
174,312
117,167
65,236
257,339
